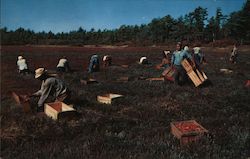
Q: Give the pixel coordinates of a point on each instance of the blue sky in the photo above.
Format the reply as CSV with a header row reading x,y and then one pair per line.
x,y
66,15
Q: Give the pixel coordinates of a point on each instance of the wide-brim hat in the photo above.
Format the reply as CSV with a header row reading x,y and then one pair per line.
x,y
39,72
20,57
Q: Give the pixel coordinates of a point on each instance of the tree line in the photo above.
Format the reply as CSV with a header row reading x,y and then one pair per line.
x,y
194,26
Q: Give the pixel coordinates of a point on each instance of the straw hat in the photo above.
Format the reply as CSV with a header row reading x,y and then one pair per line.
x,y
20,57
142,59
39,72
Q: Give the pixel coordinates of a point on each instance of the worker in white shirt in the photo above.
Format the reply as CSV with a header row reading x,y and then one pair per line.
x,y
63,65
22,65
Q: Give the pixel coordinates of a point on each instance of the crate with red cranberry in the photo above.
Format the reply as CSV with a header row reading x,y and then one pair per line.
x,y
187,131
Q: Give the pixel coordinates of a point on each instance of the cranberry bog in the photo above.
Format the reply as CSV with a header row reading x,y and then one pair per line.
x,y
138,125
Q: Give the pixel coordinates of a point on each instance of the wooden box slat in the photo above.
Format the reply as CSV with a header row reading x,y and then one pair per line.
x,y
156,79
108,98
195,79
88,81
123,79
186,65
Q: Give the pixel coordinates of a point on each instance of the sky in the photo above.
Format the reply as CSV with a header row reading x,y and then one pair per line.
x,y
67,15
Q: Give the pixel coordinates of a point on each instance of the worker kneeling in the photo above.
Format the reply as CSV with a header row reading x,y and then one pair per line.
x,y
107,60
63,65
94,65
143,60
52,89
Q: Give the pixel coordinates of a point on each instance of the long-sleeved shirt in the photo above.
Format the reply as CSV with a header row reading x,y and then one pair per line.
x,y
94,62
50,87
22,65
178,56
198,56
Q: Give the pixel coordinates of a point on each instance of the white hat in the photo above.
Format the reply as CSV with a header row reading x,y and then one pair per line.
x,y
142,59
20,57
105,57
186,48
166,52
39,72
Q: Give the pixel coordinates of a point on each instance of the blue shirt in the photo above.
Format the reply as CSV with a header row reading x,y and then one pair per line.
x,y
178,56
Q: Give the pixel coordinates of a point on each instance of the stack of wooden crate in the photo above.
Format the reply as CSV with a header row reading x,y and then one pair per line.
x,y
198,77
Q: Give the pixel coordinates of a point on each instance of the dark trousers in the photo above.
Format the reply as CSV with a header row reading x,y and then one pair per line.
x,y
25,71
180,75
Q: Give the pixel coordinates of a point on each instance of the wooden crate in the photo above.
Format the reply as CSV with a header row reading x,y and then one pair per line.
x,y
186,65
23,101
123,79
88,81
169,73
195,79
226,71
108,98
187,131
124,66
58,110
156,79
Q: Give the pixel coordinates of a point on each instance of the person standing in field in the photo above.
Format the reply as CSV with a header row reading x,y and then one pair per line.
x,y
198,56
63,65
234,55
22,65
94,65
178,55
52,89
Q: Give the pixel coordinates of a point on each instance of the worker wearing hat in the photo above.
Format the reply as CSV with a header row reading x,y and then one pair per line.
x,y
198,56
143,60
166,60
107,60
22,65
63,65
94,65
51,89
